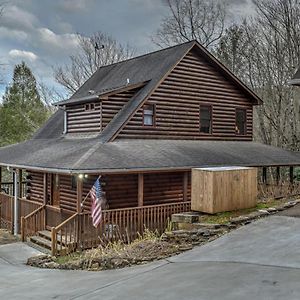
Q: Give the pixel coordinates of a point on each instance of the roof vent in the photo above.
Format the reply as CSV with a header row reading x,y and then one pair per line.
x,y
127,81
91,92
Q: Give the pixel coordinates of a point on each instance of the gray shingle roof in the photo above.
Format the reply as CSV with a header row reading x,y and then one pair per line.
x,y
92,156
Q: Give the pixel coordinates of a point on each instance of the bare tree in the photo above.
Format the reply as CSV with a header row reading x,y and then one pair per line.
x,y
94,52
269,52
203,20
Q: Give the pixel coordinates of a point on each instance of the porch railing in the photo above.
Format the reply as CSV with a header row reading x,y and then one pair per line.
x,y
32,223
6,211
117,224
8,188
65,237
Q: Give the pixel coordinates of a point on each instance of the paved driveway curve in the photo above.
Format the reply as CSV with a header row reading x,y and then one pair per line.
x,y
258,261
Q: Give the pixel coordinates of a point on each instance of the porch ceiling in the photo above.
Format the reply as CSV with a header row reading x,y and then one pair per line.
x,y
91,156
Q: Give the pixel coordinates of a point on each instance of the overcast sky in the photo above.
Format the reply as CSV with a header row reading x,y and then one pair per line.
x,y
43,32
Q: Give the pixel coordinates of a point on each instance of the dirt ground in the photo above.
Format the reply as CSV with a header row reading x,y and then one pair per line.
x,y
6,237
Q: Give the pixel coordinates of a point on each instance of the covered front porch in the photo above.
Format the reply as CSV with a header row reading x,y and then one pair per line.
x,y
54,209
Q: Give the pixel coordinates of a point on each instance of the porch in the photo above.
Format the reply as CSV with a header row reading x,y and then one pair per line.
x,y
53,210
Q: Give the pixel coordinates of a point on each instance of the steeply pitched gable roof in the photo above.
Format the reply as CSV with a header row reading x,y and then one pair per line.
x,y
147,71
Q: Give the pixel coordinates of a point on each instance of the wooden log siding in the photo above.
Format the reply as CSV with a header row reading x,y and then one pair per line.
x,y
178,98
80,120
163,188
111,105
35,187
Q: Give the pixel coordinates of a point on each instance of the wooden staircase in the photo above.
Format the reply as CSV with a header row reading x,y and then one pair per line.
x,y
43,239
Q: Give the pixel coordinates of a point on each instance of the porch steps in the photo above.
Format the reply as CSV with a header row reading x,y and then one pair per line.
x,y
43,239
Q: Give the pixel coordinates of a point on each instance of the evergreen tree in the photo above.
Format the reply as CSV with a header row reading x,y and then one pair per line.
x,y
22,112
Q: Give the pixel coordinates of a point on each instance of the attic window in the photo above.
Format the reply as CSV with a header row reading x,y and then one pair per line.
x,y
148,114
90,106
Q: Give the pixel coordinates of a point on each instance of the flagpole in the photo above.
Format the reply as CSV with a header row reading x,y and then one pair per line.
x,y
88,193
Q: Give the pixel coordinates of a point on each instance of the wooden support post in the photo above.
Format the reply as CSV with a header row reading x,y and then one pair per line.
x,y
264,175
291,175
140,190
185,186
20,191
79,193
45,188
277,175
16,204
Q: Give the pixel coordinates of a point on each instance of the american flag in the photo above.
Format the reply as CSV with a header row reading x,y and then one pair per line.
x,y
96,195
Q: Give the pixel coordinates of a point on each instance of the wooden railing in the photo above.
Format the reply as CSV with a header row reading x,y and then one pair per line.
x,y
8,188
65,237
77,232
126,224
33,222
6,211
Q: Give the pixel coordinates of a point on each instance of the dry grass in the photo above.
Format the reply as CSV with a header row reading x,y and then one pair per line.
x,y
146,247
6,237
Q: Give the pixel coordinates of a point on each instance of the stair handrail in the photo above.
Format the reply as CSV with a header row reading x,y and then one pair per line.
x,y
55,230
24,220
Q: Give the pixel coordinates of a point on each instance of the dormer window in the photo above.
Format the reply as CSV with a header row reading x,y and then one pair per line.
x,y
148,115
90,106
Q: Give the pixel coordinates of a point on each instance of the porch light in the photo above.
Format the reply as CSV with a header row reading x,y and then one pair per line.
x,y
80,176
86,175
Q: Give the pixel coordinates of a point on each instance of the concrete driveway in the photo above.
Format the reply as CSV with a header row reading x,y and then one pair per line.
x,y
258,261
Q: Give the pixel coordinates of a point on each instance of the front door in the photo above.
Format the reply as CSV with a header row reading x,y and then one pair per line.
x,y
55,189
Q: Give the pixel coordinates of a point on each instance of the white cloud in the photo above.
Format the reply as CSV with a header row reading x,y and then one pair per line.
x,y
27,55
17,18
72,6
47,38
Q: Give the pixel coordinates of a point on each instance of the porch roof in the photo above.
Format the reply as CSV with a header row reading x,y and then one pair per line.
x,y
89,155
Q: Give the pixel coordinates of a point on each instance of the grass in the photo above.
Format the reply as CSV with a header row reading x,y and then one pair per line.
x,y
224,217
6,237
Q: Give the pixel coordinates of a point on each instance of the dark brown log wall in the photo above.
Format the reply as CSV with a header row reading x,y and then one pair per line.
x,y
177,99
80,120
35,186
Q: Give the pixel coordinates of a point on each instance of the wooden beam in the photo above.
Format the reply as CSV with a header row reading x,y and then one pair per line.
x,y
20,191
264,175
45,188
16,203
291,175
185,185
277,175
140,189
79,193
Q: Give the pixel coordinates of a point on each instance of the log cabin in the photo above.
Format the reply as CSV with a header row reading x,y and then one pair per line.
x,y
142,124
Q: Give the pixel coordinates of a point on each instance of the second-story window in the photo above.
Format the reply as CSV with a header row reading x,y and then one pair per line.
x,y
206,119
240,121
148,115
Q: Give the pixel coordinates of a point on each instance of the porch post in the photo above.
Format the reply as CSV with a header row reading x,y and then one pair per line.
x,y
140,190
264,175
45,188
16,208
291,175
20,191
277,175
185,185
79,193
